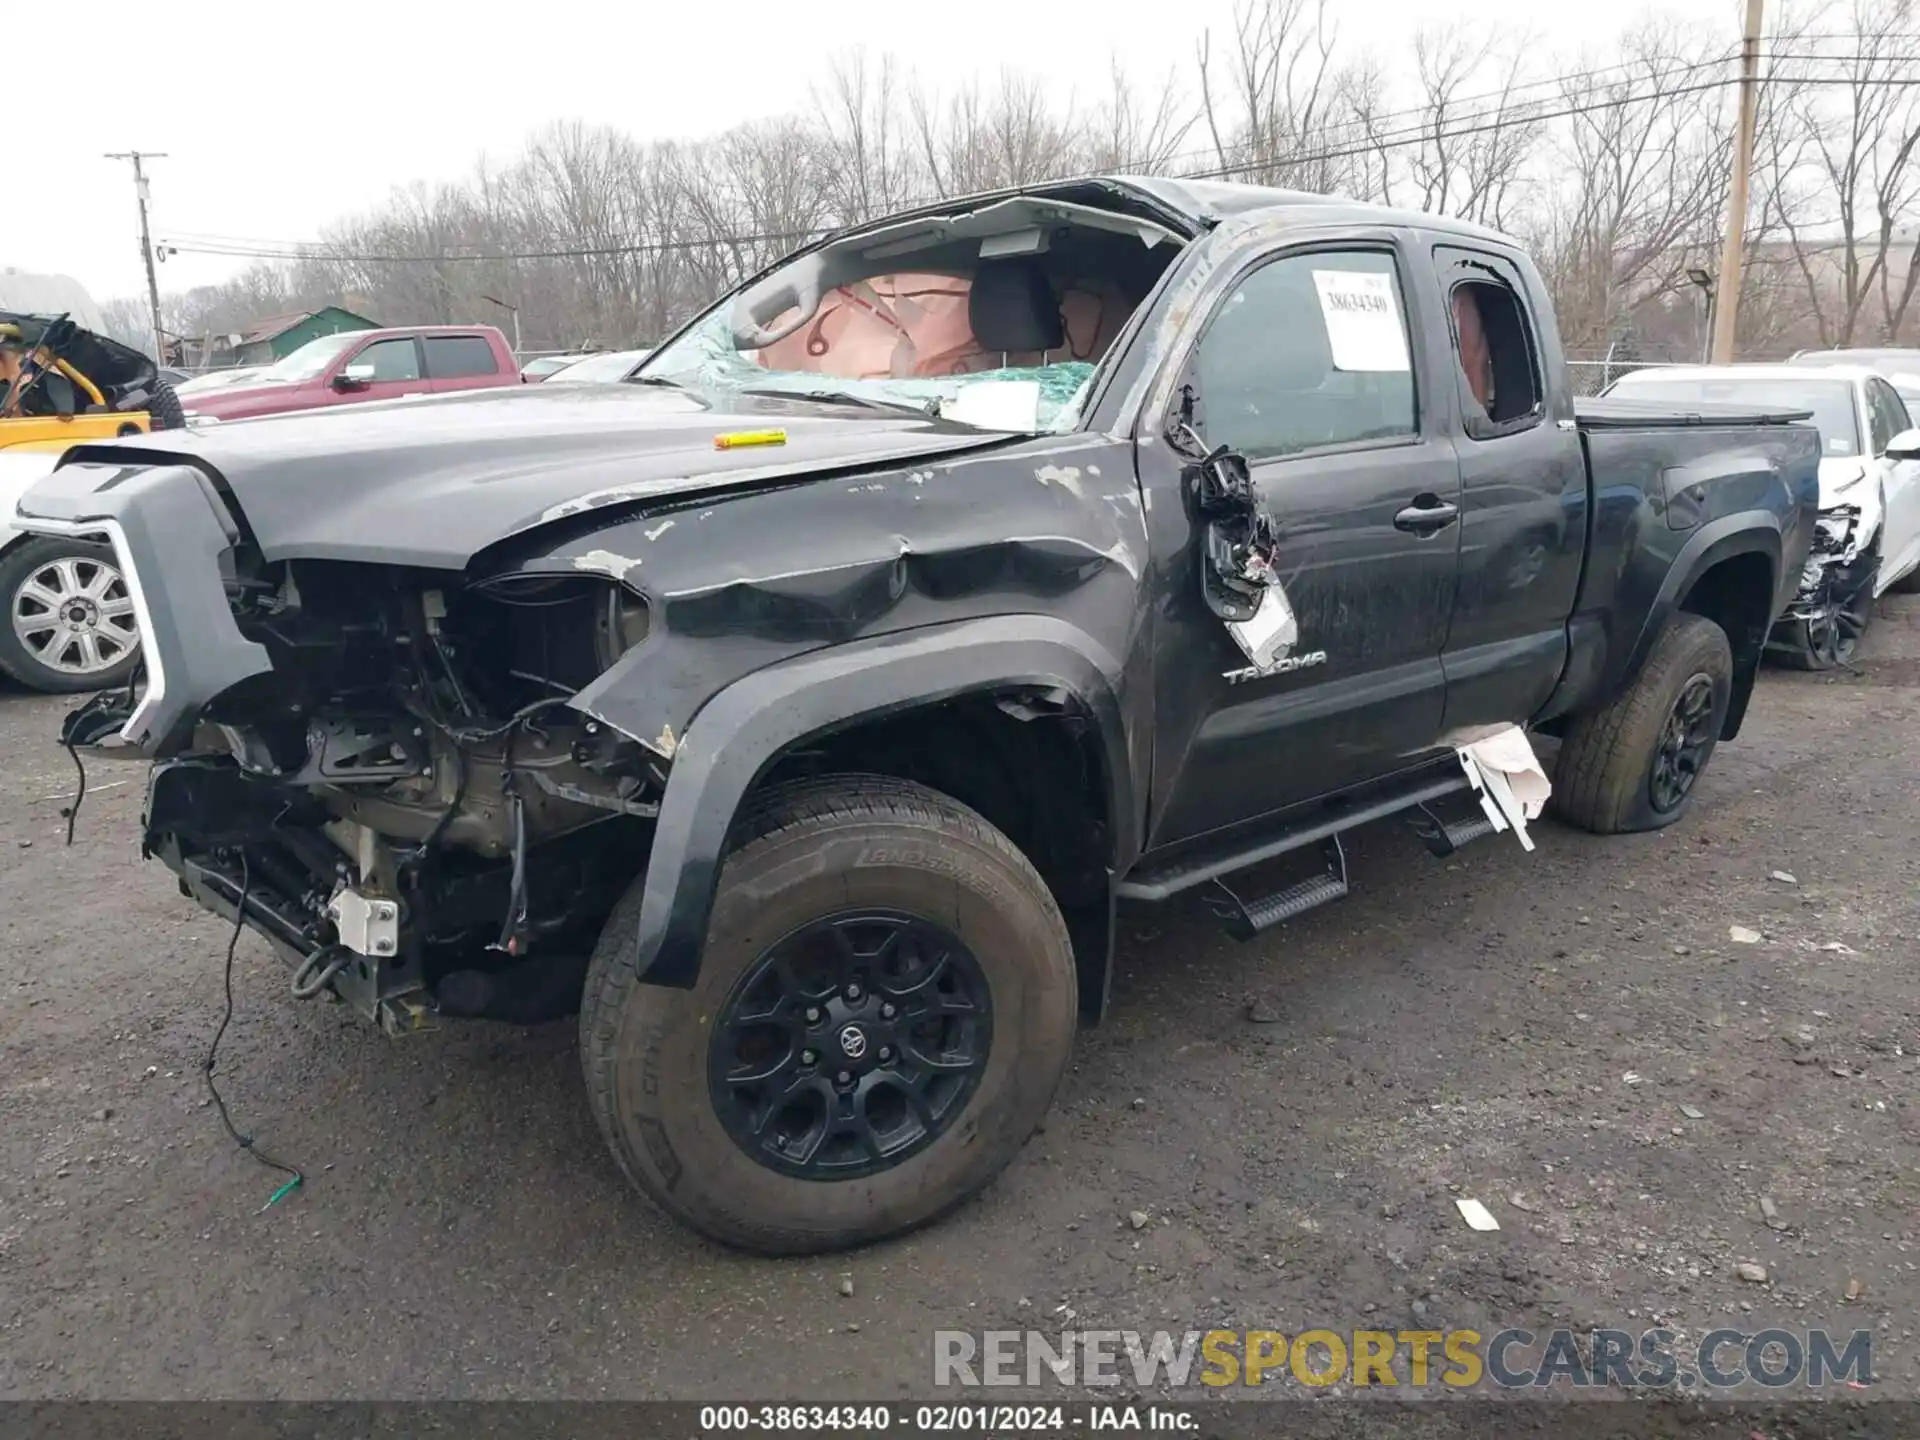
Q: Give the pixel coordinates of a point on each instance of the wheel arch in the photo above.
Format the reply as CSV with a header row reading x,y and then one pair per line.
x,y
1728,572
907,705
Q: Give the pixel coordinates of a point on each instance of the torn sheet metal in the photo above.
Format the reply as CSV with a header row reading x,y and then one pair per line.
x,y
1506,775
1269,637
1240,545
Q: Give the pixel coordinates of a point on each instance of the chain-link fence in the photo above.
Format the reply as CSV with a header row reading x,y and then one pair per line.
x,y
1592,377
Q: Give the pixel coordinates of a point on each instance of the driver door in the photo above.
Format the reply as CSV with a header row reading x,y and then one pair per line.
x,y
1308,368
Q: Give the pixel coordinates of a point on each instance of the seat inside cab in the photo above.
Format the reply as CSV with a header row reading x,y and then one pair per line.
x,y
1018,286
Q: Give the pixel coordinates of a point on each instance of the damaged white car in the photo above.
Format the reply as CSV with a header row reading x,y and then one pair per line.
x,y
1868,538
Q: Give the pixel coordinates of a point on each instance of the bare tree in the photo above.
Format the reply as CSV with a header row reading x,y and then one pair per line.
x,y
1273,101
868,170
1635,179
1138,133
1615,173
1475,136
1842,172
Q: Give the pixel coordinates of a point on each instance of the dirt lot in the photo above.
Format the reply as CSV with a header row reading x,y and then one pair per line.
x,y
1293,1117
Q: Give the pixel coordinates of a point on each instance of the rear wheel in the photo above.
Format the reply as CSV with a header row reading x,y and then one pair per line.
x,y
1634,764
69,617
885,1007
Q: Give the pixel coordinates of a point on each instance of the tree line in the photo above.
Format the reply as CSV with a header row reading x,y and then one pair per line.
x,y
1611,165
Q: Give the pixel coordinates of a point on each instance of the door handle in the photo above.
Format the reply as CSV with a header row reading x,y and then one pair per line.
x,y
1427,515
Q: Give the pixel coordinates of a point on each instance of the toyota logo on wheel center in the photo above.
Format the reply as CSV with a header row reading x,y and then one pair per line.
x,y
853,1041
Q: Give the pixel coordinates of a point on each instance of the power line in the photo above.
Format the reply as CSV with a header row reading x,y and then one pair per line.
x,y
253,247
1515,122
1483,122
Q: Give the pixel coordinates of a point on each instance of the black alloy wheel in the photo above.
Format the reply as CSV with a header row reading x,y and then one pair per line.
x,y
851,1044
1685,741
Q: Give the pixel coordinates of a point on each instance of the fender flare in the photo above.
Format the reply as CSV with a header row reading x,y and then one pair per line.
x,y
734,737
1748,532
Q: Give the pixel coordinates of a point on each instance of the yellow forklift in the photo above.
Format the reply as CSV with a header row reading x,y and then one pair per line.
x,y
69,623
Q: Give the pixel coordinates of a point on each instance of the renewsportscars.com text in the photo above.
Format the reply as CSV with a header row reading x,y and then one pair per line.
x,y
1513,1359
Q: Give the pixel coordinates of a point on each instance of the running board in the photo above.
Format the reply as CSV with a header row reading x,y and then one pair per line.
x,y
1158,880
1443,837
1245,919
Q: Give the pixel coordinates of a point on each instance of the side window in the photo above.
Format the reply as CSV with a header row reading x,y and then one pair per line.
x,y
1887,414
457,357
390,359
1495,349
1308,351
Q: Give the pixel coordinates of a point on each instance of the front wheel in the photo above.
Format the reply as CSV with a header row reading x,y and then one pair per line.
x,y
69,624
885,1007
1633,764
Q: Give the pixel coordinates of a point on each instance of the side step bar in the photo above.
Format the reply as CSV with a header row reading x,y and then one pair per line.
x,y
1442,836
1415,795
1245,919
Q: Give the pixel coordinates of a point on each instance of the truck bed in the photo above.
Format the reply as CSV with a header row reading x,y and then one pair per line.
x,y
1616,414
1668,476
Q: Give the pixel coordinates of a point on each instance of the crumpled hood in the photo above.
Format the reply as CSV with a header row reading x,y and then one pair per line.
x,y
1849,480
434,481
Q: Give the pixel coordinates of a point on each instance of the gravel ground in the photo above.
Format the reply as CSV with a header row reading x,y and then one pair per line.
x,y
1572,1037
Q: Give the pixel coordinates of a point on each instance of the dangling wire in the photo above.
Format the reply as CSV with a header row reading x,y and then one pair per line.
x,y
245,1142
72,812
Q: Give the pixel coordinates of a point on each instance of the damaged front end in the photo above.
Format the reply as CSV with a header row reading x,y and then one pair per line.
x,y
1821,628
398,793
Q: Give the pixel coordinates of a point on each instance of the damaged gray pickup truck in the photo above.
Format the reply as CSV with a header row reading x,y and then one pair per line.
x,y
801,709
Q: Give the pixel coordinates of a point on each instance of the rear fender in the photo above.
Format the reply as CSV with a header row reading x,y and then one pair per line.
x,y
1752,532
735,737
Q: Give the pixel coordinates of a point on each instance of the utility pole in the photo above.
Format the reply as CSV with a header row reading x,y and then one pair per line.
x,y
1726,311
146,244
513,310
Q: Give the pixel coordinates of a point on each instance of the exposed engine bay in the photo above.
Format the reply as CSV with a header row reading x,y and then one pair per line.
x,y
377,795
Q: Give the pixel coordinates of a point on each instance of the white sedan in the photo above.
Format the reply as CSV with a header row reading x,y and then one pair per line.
x,y
1869,488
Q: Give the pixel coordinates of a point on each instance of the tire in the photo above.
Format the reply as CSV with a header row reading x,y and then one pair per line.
x,y
1907,584
164,410
831,847
1606,779
45,565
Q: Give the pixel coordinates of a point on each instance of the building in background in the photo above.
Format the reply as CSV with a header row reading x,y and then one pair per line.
x,y
274,337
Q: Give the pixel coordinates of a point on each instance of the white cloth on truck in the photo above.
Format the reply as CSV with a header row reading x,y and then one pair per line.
x,y
1507,777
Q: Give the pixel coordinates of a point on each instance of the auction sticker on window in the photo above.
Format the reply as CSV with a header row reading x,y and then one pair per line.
x,y
1363,320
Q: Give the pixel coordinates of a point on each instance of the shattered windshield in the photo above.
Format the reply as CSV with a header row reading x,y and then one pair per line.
x,y
909,339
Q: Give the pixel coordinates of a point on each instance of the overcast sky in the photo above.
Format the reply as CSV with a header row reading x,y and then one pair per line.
x,y
279,119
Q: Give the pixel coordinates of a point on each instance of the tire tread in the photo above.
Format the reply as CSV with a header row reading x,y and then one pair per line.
x,y
1600,774
766,820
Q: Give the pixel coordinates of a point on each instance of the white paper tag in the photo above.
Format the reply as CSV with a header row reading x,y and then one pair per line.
x,y
1012,405
1362,312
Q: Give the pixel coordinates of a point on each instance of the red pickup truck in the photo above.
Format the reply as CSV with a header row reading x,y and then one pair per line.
x,y
356,365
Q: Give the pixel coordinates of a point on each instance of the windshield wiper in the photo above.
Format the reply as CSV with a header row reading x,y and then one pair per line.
x,y
840,397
